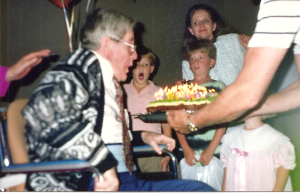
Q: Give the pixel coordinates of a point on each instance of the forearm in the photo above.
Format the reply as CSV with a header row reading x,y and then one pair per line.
x,y
280,102
182,140
281,178
224,180
228,106
297,62
167,129
284,100
246,92
215,142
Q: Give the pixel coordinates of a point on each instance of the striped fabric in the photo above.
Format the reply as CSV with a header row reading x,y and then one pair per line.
x,y
278,24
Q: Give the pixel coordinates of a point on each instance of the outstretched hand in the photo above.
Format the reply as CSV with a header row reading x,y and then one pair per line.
x,y
22,67
153,139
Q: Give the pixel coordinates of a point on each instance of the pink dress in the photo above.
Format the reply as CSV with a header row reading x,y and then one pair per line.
x,y
137,103
253,157
3,84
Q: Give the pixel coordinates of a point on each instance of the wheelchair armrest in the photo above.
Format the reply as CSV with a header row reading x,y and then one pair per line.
x,y
146,150
51,166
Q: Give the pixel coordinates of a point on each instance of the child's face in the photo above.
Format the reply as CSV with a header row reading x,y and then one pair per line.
x,y
142,71
200,63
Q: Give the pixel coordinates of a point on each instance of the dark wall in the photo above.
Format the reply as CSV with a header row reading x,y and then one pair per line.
x,y
36,24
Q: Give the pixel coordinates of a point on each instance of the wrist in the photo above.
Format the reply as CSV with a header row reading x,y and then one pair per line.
x,y
210,150
192,120
191,126
143,134
8,76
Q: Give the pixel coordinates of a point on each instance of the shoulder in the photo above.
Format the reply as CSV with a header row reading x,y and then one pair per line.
x,y
185,64
271,131
79,68
129,87
232,135
126,86
154,86
217,85
227,38
220,84
81,58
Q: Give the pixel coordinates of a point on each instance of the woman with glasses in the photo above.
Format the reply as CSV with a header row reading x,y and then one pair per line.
x,y
204,22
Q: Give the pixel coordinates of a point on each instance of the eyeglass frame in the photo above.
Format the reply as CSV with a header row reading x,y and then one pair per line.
x,y
133,47
199,22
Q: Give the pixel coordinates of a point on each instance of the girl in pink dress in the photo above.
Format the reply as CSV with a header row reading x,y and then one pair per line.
x,y
256,157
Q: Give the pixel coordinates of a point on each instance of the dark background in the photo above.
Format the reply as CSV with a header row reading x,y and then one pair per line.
x,y
29,25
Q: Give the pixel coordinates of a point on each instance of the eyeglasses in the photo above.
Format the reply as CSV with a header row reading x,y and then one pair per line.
x,y
198,22
133,47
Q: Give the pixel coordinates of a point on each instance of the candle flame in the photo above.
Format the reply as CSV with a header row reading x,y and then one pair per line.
x,y
185,91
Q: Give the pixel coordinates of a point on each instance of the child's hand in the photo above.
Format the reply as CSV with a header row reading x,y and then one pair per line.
x,y
189,155
206,157
180,82
164,163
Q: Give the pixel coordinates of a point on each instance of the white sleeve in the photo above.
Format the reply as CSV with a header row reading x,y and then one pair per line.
x,y
187,73
278,24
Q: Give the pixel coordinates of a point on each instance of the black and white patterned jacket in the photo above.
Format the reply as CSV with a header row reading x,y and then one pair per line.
x,y
64,119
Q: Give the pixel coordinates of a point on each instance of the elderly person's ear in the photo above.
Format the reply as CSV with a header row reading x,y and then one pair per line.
x,y
105,44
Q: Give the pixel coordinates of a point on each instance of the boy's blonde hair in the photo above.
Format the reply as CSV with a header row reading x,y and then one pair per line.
x,y
144,52
203,46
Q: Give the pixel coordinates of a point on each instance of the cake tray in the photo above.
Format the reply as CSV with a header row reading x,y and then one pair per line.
x,y
153,117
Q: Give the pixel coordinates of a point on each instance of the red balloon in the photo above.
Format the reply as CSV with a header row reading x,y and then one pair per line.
x,y
59,3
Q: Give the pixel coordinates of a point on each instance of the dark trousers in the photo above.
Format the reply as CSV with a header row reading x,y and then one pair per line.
x,y
132,183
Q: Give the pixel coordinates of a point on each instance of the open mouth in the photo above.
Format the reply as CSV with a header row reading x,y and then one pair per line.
x,y
141,76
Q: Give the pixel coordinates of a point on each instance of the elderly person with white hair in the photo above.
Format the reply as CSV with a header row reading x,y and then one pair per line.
x,y
77,112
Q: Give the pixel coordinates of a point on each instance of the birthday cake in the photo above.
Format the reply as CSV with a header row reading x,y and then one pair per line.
x,y
188,97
